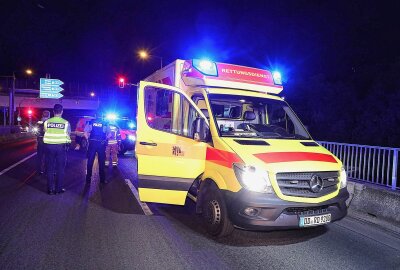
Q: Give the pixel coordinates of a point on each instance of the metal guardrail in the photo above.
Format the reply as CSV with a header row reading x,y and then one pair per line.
x,y
373,164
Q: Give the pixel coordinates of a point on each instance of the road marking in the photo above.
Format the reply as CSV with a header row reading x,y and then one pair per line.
x,y
144,206
16,164
193,198
27,179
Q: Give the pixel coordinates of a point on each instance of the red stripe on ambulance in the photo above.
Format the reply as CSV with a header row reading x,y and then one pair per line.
x,y
223,158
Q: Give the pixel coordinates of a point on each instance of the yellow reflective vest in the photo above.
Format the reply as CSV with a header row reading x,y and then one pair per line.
x,y
56,131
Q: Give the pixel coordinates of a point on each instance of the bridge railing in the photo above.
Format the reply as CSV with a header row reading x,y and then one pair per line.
x,y
373,164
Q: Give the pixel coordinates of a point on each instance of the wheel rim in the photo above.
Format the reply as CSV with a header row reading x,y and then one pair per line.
x,y
213,213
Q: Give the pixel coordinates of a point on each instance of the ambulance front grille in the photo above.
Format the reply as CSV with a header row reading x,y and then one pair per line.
x,y
298,183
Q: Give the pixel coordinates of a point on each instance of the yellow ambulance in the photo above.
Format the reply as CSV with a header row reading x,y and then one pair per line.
x,y
220,135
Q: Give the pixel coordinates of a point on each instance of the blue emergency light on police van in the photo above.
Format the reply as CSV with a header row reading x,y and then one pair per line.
x,y
111,116
131,125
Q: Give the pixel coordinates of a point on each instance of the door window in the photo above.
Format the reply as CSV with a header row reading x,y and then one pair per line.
x,y
169,111
158,108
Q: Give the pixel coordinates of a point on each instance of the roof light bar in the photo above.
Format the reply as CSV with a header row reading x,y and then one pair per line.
x,y
276,75
206,67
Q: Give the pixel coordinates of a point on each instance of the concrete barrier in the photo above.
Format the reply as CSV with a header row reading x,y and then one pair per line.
x,y
374,201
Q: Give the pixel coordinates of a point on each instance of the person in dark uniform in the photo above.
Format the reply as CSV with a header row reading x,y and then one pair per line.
x,y
56,138
96,133
40,148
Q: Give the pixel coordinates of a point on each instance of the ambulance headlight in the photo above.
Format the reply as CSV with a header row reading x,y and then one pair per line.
x,y
343,178
252,178
276,75
206,67
132,138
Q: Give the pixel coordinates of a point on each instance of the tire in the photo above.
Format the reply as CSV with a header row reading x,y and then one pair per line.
x,y
215,214
122,149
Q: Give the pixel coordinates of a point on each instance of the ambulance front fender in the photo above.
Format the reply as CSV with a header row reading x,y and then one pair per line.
x,y
216,177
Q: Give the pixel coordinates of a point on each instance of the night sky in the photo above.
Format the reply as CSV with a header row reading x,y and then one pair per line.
x,y
340,60
92,41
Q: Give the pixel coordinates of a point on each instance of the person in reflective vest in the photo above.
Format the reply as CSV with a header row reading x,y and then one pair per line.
x,y
40,148
56,138
96,133
114,138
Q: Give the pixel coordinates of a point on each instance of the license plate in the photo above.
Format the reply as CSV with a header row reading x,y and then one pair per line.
x,y
314,220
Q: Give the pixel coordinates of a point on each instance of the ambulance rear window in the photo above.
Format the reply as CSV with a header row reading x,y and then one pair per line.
x,y
227,111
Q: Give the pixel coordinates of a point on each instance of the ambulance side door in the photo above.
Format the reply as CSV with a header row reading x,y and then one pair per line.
x,y
169,159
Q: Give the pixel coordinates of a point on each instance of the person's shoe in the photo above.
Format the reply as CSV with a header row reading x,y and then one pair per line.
x,y
88,179
61,191
107,163
115,164
51,192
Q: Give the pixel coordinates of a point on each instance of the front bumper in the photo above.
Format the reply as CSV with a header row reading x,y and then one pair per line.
x,y
277,214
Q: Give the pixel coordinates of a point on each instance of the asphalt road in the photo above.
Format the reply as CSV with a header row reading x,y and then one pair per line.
x,y
99,226
12,152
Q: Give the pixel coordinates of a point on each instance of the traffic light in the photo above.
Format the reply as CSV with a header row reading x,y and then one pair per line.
x,y
121,82
30,113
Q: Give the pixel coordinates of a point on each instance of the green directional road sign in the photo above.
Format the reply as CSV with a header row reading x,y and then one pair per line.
x,y
50,88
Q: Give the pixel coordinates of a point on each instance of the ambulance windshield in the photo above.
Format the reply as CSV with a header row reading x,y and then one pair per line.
x,y
255,117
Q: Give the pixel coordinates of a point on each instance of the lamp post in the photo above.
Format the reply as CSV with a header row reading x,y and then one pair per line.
x,y
12,96
143,54
11,100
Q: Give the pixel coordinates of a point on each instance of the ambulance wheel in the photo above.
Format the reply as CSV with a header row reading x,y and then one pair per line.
x,y
215,214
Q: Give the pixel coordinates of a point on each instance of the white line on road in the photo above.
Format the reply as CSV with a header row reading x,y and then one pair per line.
x,y
16,164
144,206
193,198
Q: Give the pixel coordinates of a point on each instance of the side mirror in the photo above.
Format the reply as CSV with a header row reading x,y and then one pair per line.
x,y
201,130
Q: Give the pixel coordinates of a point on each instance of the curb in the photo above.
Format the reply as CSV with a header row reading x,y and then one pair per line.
x,y
375,205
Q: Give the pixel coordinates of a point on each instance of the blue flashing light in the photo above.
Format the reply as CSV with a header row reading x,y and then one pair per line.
x,y
276,75
111,116
206,67
131,125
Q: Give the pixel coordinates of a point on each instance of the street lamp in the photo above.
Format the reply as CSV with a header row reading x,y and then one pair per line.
x,y
29,71
92,94
144,55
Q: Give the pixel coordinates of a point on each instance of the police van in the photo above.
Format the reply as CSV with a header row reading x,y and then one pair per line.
x,y
220,135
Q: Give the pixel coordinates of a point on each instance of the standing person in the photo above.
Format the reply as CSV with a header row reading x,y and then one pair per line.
x,y
40,144
96,133
112,145
56,139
